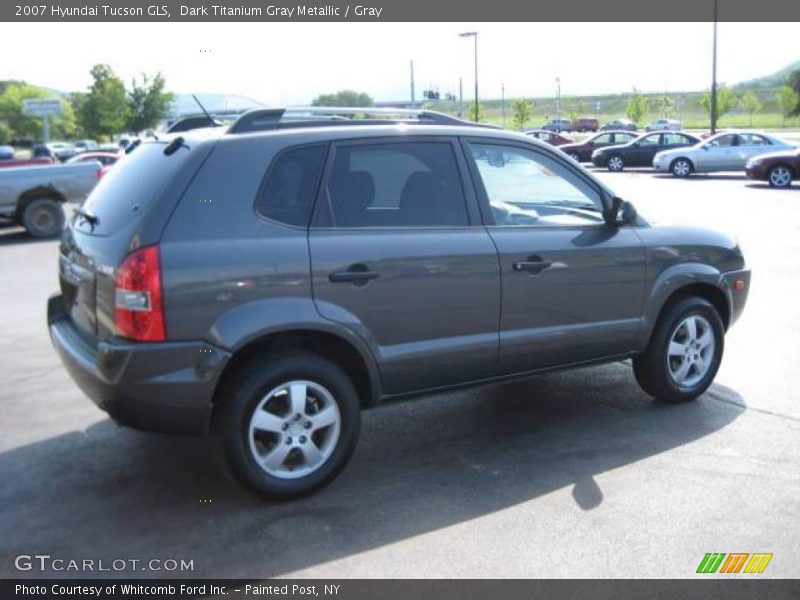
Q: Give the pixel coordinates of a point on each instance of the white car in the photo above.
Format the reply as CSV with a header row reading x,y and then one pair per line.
x,y
664,125
727,151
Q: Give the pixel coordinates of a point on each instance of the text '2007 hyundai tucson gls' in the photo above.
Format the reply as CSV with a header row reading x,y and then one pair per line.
x,y
272,280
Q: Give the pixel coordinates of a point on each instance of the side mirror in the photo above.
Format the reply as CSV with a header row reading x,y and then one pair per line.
x,y
620,213
705,146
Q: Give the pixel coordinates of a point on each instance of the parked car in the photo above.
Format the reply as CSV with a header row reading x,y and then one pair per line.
x,y
619,124
62,151
558,125
586,124
85,146
582,151
664,125
709,133
106,160
6,153
42,151
386,277
722,152
778,168
641,151
33,196
551,137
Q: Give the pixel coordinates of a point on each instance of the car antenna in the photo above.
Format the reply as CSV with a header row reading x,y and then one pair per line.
x,y
203,108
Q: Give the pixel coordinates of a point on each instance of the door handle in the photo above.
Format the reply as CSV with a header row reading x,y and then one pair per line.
x,y
357,274
533,265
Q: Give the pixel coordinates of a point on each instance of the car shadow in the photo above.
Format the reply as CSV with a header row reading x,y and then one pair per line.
x,y
703,176
13,234
421,466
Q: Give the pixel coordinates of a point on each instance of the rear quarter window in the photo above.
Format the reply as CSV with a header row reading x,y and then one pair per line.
x,y
128,190
287,193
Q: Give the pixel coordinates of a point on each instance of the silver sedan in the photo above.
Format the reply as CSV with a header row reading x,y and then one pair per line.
x,y
728,151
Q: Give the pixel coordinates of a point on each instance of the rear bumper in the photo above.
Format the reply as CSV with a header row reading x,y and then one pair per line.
x,y
166,387
736,297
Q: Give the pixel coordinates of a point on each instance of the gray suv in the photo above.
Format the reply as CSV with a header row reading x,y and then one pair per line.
x,y
269,281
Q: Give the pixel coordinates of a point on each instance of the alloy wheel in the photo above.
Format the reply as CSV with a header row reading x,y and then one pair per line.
x,y
615,163
780,177
691,351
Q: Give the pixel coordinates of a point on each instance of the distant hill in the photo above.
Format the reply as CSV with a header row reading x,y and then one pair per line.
x,y
774,80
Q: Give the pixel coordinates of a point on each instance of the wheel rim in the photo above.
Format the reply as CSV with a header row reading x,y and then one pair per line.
x,y
615,163
681,168
691,351
294,429
780,176
44,219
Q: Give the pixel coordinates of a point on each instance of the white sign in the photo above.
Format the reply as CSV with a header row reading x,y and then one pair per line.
x,y
42,108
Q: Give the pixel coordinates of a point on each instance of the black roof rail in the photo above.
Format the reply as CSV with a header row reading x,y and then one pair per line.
x,y
320,116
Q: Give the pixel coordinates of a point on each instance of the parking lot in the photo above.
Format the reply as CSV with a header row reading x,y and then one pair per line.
x,y
576,474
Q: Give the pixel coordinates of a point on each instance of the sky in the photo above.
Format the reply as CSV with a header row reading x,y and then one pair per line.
x,y
291,63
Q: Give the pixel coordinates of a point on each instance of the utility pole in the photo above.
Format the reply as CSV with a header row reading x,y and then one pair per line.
x,y
474,36
503,102
714,76
413,99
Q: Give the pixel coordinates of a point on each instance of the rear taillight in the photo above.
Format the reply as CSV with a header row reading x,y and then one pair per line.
x,y
139,306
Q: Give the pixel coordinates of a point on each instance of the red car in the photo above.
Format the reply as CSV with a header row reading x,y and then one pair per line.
x,y
106,159
778,168
26,162
582,151
551,137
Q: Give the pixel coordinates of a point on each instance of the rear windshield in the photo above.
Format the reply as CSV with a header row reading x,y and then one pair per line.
x,y
128,188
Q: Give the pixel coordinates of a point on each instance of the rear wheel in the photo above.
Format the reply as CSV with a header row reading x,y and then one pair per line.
x,y
43,217
681,167
615,163
780,176
289,423
684,353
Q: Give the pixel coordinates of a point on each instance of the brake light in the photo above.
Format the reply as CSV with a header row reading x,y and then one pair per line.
x,y
139,307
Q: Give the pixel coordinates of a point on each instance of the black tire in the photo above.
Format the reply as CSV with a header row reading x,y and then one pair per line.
x,y
242,395
681,167
615,162
43,217
780,176
652,367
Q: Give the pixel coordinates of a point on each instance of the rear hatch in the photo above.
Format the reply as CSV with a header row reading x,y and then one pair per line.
x,y
126,210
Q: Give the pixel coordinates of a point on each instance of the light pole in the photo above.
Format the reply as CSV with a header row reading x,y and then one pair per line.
x,y
714,76
474,36
558,98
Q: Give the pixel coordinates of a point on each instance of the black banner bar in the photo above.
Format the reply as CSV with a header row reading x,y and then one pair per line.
x,y
396,11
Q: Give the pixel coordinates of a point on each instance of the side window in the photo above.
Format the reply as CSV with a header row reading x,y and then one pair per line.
x,y
526,188
675,139
623,138
406,184
650,140
751,139
287,193
602,139
724,141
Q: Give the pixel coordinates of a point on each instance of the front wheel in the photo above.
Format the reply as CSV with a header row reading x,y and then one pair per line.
x,y
684,352
681,167
780,176
616,163
289,423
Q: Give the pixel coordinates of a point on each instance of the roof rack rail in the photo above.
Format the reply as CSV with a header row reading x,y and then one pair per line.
x,y
315,116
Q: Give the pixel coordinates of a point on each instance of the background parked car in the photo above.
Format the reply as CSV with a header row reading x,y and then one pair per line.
x,y
85,145
558,125
778,168
722,152
641,151
619,125
62,150
106,159
551,137
582,151
6,153
586,124
42,151
664,125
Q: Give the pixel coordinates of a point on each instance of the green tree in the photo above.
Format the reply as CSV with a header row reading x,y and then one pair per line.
x,y
787,101
521,112
637,106
469,112
751,104
343,98
793,81
104,110
727,100
148,103
662,105
21,126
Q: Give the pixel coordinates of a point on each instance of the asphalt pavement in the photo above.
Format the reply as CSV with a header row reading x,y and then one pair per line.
x,y
575,474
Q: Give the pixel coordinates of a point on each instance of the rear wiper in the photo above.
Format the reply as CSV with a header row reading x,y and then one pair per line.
x,y
87,216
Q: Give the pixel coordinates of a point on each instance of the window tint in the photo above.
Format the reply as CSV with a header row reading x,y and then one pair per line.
x,y
675,139
287,193
526,188
650,140
408,184
602,139
623,138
